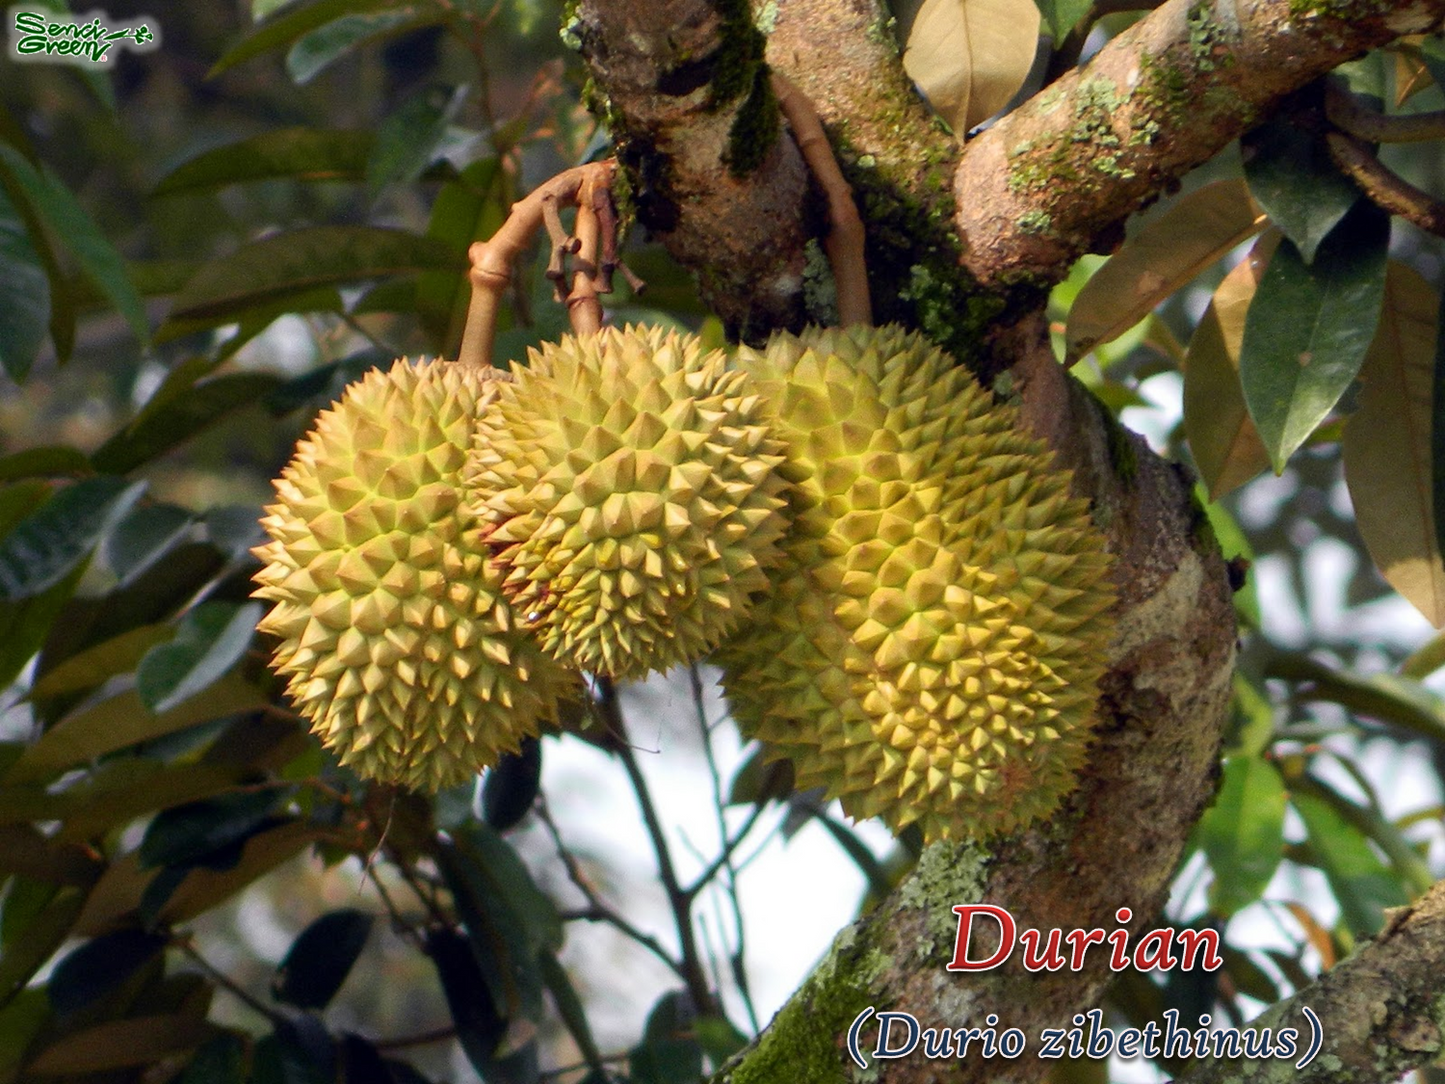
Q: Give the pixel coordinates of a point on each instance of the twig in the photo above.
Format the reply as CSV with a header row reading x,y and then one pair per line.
x,y
692,971
425,1038
597,910
1348,113
583,308
492,259
227,983
844,243
1384,187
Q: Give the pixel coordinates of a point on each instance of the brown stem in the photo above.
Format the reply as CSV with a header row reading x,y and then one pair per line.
x,y
583,308
1384,187
1345,111
493,259
844,242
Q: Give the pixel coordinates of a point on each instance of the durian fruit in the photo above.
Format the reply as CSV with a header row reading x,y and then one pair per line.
x,y
396,640
930,649
630,484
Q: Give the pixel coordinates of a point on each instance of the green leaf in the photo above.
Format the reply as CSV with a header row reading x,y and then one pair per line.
x,y
51,461
1291,174
1243,833
295,22
68,220
320,959
1308,329
51,542
669,1052
25,301
302,259
122,720
1062,16
1392,444
305,154
157,431
1165,255
312,54
32,945
143,536
1363,885
195,833
20,1023
512,786
99,966
27,624
570,1008
1385,697
118,1044
410,138
220,1061
212,638
1407,862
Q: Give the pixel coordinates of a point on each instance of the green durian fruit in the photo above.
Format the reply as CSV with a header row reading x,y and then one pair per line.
x,y
930,649
629,483
396,640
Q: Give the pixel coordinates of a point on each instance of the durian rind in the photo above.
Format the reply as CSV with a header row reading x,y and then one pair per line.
x,y
629,486
929,650
395,637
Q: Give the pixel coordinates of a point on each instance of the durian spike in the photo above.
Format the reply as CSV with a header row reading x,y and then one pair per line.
x,y
493,258
844,243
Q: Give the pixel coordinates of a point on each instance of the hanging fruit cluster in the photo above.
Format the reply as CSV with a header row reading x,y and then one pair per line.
x,y
903,597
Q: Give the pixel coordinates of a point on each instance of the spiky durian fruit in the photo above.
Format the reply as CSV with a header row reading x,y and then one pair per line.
x,y
396,639
630,481
930,649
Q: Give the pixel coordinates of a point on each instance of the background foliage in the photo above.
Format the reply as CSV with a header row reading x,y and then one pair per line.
x,y
203,245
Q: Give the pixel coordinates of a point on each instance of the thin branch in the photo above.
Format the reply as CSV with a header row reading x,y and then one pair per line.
x,y
226,983
1384,187
678,900
425,1038
597,910
1348,113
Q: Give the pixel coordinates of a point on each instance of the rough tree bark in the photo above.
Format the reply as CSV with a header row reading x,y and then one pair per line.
x,y
963,243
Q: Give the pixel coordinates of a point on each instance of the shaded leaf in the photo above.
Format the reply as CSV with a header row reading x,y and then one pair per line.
x,y
1425,660
1362,884
320,959
20,1022
296,21
219,1061
512,786
142,537
48,544
1308,328
71,224
570,1009
968,57
1395,478
32,944
25,625
761,780
468,208
480,1025
1165,255
1385,697
1226,446
669,1052
212,638
157,431
302,259
117,1044
192,834
25,301
27,852
305,154
410,139
1409,865
1291,174
51,461
122,720
99,966
1242,833
319,48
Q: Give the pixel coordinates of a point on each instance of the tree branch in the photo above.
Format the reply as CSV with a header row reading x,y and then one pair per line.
x,y
1379,1011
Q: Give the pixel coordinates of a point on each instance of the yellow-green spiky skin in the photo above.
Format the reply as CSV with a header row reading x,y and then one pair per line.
x,y
930,649
396,640
631,484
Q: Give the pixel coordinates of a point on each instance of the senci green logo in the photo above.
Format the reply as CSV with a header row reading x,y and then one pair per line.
x,y
38,35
